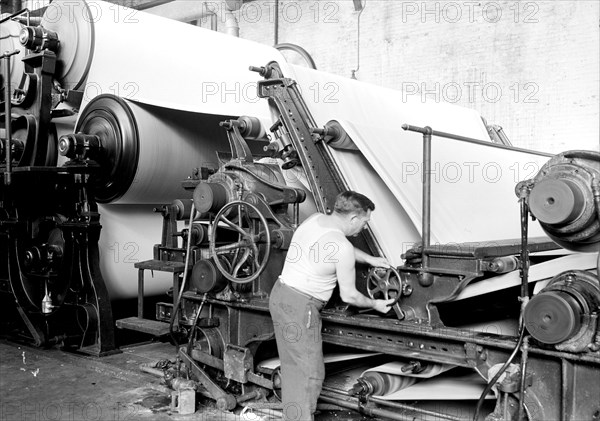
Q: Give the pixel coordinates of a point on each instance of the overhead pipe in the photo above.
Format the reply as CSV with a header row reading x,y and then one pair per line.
x,y
188,11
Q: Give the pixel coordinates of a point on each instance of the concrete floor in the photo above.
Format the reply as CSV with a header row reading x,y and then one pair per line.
x,y
51,384
40,385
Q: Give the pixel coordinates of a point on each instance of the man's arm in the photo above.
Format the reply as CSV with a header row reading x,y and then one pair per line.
x,y
346,275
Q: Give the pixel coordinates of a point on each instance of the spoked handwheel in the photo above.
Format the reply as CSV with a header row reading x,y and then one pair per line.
x,y
384,283
248,256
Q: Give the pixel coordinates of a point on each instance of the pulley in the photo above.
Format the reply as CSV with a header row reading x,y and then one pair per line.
x,y
565,198
107,129
564,313
206,277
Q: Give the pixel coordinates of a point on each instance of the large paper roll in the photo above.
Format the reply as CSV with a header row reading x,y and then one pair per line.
x,y
109,49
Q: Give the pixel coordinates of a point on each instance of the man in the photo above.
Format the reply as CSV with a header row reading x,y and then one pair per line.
x,y
320,256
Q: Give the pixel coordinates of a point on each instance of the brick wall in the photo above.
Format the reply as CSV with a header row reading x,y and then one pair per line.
x,y
531,67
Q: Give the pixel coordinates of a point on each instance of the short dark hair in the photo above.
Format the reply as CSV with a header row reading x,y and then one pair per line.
x,y
352,202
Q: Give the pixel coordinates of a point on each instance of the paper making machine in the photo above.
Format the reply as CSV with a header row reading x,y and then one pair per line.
x,y
515,315
546,367
61,164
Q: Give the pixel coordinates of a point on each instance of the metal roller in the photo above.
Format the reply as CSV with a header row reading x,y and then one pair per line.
x,y
565,198
335,136
251,128
379,384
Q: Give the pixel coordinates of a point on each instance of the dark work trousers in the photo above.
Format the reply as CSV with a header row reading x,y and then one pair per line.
x,y
297,321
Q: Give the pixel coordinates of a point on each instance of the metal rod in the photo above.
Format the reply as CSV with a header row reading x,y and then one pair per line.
x,y
367,411
4,19
256,394
416,410
140,302
524,356
332,391
425,278
564,390
276,24
417,129
7,119
524,270
426,222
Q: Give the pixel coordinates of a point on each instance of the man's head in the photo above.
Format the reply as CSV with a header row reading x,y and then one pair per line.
x,y
355,208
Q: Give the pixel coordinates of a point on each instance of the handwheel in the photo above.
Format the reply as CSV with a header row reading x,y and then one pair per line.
x,y
384,283
248,256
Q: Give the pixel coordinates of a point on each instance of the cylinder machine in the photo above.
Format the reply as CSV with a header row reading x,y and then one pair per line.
x,y
240,223
51,285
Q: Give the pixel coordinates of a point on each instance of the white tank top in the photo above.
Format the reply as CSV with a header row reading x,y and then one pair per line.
x,y
310,262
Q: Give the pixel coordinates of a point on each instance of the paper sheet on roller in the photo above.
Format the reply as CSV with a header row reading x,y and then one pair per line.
x,y
541,271
473,185
436,382
395,368
443,387
273,363
541,285
172,143
389,378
